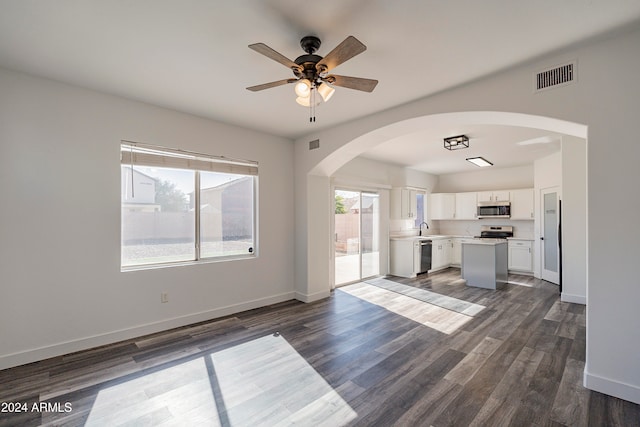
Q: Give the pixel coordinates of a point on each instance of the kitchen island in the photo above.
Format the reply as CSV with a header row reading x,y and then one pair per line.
x,y
485,262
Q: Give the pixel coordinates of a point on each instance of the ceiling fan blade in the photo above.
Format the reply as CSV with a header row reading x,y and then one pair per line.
x,y
357,83
276,56
346,50
270,85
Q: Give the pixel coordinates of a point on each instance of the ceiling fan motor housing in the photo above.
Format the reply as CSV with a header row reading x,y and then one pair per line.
x,y
308,62
310,44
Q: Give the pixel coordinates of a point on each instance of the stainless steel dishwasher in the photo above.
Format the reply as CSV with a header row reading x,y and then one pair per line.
x,y
425,255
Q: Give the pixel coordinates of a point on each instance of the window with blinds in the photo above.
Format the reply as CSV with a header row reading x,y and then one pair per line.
x,y
178,206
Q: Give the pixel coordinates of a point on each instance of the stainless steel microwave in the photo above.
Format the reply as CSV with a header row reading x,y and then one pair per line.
x,y
494,209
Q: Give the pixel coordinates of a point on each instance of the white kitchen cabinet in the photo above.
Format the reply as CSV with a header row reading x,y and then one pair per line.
x,y
440,254
442,206
456,252
493,196
404,203
466,206
522,202
404,257
521,256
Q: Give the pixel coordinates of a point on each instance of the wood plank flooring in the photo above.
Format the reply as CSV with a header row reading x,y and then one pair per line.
x,y
395,352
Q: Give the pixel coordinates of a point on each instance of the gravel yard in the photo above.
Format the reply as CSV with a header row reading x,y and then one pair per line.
x,y
175,252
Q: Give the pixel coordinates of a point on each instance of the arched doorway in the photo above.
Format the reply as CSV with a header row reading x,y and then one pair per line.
x,y
319,196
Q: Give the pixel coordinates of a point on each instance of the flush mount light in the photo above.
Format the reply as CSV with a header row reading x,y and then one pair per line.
x,y
480,161
456,142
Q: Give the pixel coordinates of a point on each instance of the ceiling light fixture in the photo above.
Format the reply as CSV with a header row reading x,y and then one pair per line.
x,y
303,88
456,142
306,101
480,161
311,71
325,91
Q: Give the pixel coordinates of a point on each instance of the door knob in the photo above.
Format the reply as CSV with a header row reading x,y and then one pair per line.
x,y
541,238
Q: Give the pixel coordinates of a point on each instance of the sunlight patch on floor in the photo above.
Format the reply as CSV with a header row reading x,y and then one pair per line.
x,y
424,295
433,316
511,282
262,382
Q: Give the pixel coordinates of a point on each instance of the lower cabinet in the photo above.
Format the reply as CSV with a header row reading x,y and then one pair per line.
x,y
441,253
404,257
521,256
447,252
456,252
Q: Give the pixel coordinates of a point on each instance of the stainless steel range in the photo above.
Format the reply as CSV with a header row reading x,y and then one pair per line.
x,y
495,232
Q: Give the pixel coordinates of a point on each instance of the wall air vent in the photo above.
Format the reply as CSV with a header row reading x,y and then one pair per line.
x,y
557,76
314,144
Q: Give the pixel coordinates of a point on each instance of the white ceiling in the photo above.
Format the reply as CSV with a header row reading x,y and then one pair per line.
x,y
504,146
192,56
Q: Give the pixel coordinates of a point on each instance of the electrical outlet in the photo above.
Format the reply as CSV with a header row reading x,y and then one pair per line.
x,y
164,297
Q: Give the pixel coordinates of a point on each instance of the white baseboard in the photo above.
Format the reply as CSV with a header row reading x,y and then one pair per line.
x,y
578,299
612,388
41,353
312,297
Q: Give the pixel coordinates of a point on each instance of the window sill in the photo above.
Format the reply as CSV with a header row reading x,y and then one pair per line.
x,y
124,269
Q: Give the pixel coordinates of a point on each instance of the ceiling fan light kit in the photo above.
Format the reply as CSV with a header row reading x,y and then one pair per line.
x,y
325,91
311,71
307,101
303,88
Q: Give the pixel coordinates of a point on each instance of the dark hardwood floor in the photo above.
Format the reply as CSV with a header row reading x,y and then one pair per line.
x,y
423,352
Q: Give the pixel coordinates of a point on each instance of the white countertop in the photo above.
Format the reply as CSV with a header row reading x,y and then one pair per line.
x,y
448,236
488,242
428,236
409,238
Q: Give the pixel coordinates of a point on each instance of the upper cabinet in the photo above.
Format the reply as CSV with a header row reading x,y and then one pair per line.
x,y
493,196
466,206
405,203
453,205
522,204
442,206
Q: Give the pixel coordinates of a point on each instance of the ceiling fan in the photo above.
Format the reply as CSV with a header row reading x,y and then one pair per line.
x,y
311,71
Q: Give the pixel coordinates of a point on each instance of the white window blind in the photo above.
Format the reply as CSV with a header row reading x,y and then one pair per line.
x,y
134,153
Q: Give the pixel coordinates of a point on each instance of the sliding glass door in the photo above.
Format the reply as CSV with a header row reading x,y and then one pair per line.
x,y
356,240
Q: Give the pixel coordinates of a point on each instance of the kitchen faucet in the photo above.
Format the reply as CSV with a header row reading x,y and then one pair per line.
x,y
421,227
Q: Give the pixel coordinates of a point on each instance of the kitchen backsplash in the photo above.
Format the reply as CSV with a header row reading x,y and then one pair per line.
x,y
405,227
521,229
402,227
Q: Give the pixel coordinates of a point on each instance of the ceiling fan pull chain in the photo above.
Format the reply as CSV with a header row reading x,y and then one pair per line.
x,y
312,106
313,102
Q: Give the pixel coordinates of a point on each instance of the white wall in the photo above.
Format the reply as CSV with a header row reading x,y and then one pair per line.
x,y
606,98
574,224
61,284
373,172
487,179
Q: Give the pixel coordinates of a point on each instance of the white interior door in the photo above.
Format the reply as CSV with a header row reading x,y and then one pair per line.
x,y
356,240
549,248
